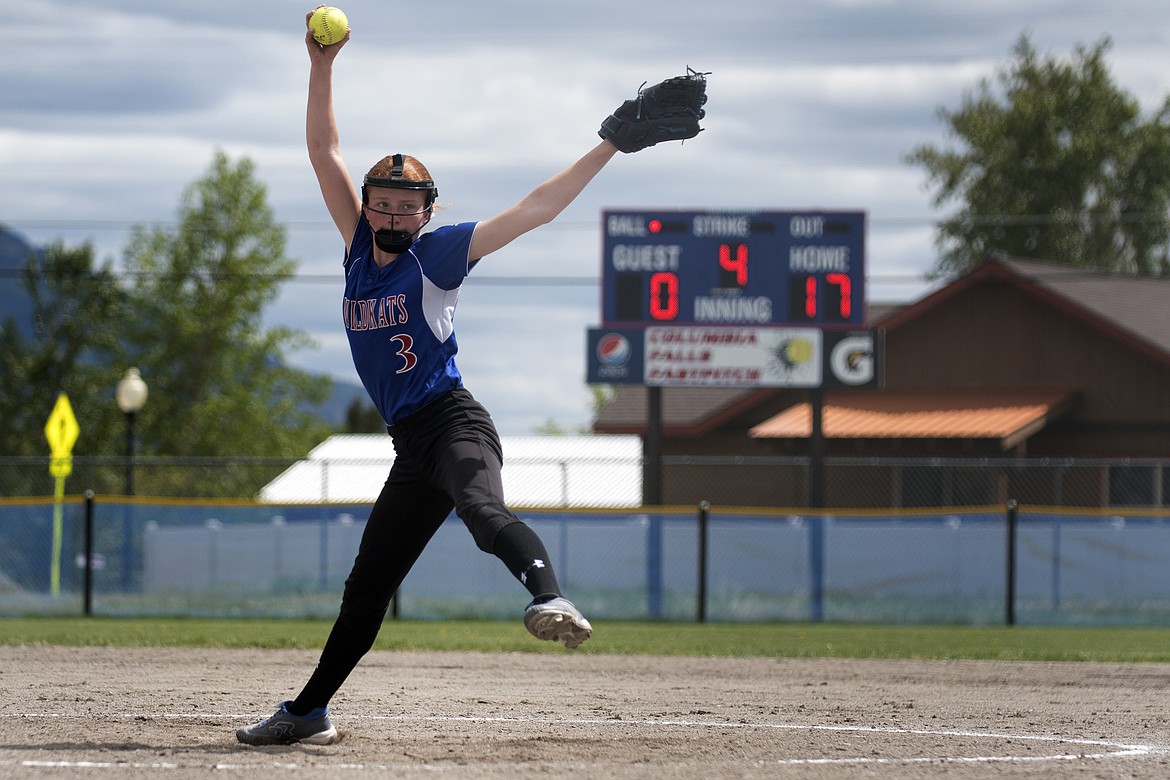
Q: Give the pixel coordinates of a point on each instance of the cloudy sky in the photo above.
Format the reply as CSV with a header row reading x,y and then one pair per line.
x,y
110,109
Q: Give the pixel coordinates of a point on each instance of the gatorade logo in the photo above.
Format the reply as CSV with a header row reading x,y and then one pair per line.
x,y
852,360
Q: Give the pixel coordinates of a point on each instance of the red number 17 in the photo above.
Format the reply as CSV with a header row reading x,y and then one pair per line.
x,y
844,290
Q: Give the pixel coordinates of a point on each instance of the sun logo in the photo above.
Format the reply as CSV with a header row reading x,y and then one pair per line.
x,y
790,354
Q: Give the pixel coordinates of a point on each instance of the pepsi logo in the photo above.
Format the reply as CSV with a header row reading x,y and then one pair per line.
x,y
613,349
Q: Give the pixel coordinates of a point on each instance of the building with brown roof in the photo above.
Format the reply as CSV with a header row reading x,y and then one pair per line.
x,y
1016,359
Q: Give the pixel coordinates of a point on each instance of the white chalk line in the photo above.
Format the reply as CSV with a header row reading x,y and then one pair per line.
x,y
1105,749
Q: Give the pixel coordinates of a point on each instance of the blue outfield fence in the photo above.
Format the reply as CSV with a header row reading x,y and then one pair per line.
x,y
986,565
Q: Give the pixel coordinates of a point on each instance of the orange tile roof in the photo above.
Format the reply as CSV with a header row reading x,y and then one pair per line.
x,y
1011,418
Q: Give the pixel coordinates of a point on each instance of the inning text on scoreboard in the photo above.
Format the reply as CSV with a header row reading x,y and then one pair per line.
x,y
733,268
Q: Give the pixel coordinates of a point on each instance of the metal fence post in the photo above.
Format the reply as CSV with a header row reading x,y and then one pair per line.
x,y
704,509
1010,596
88,568
654,567
816,567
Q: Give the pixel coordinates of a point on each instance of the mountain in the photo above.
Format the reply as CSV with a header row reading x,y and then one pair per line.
x,y
15,304
14,301
333,409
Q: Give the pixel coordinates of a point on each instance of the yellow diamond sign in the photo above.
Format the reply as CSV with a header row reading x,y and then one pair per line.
x,y
61,431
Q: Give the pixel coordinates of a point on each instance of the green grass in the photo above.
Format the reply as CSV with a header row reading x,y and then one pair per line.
x,y
768,640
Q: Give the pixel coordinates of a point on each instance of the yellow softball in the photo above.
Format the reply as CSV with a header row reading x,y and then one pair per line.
x,y
328,24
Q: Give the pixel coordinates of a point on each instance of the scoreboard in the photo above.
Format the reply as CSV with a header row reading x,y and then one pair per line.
x,y
721,268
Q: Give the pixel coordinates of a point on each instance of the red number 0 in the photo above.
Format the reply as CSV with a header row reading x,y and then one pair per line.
x,y
664,296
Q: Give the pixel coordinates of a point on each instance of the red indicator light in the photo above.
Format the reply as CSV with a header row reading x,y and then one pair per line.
x,y
654,226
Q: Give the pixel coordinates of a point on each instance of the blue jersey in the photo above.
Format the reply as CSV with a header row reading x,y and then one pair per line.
x,y
400,318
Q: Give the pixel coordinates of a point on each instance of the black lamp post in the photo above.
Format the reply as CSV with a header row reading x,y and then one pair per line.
x,y
131,397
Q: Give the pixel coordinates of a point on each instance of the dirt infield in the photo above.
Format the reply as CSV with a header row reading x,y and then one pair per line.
x,y
137,713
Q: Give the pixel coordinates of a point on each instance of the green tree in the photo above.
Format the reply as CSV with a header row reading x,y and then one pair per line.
x,y
603,396
219,381
80,316
550,427
363,417
1057,163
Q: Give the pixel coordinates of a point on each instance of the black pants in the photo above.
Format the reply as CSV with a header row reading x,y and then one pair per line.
x,y
447,456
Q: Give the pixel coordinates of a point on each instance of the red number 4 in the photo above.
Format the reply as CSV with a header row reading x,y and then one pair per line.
x,y
737,264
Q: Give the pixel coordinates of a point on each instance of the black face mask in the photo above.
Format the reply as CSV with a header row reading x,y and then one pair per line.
x,y
396,242
393,241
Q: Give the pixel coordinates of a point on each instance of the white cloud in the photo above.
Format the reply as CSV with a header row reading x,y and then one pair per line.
x,y
112,109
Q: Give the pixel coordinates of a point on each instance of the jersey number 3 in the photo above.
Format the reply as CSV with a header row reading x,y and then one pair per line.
x,y
409,359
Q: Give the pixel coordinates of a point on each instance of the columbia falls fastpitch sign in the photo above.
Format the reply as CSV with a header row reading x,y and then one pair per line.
x,y
733,299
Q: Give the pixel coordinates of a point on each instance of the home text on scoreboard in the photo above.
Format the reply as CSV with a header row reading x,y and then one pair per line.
x,y
733,268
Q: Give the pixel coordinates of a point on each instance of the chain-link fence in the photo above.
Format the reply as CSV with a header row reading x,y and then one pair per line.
x,y
217,558
848,483
903,541
167,477
910,483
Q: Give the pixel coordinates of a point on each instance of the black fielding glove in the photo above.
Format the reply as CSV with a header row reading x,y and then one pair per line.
x,y
667,111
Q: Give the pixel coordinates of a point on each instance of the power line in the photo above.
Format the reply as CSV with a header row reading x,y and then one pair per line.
x,y
293,225
1040,219
490,281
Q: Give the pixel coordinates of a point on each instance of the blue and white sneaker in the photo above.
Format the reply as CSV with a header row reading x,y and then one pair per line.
x,y
284,728
557,620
